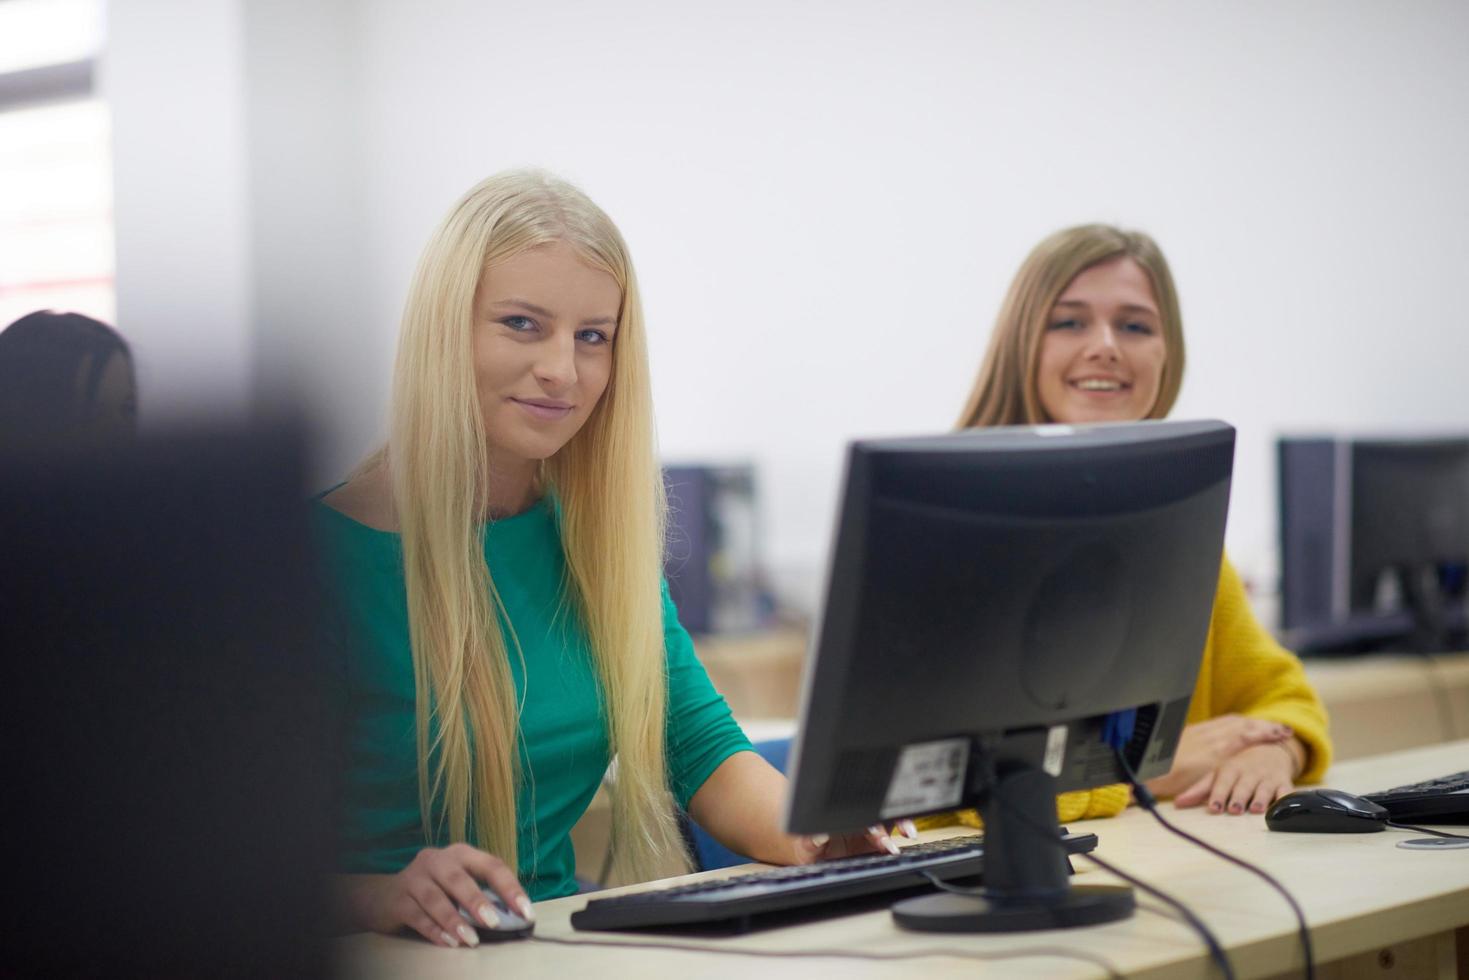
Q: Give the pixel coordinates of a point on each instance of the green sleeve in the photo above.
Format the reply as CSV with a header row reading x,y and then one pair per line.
x,y
701,731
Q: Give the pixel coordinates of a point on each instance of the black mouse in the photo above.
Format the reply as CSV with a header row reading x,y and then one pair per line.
x,y
1325,811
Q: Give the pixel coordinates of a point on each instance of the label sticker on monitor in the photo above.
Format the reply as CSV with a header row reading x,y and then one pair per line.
x,y
1055,750
928,776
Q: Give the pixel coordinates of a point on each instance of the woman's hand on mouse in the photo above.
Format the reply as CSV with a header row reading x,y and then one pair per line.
x,y
1206,746
427,894
1250,780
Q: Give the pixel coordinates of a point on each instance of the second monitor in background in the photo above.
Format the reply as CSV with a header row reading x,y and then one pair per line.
x,y
1006,610
713,558
1374,540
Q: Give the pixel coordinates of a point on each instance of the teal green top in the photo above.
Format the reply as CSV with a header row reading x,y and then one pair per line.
x,y
564,748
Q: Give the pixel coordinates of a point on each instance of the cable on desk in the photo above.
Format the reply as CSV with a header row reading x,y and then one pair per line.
x,y
1426,830
1146,800
1442,699
1058,952
1209,939
952,889
1216,949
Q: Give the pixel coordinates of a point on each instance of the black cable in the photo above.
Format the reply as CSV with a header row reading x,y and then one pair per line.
x,y
1145,799
1037,951
944,886
1210,939
1442,700
1426,830
1216,949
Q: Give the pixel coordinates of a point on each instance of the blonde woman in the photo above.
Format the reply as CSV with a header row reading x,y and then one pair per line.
x,y
499,568
1090,331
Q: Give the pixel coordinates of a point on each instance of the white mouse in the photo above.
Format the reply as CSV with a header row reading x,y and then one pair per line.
x,y
512,924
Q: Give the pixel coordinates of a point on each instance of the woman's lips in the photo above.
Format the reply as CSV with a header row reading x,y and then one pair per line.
x,y
545,411
1100,387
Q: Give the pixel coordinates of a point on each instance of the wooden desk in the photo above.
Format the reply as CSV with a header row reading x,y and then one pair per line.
x,y
1364,897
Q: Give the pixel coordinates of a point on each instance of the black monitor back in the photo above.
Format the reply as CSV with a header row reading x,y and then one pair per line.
x,y
1006,585
167,756
1410,509
1362,515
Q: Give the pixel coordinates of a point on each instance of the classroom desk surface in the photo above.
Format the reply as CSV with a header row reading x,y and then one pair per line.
x,y
1366,901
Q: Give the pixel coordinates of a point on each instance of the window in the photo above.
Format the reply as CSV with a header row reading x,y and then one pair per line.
x,y
56,234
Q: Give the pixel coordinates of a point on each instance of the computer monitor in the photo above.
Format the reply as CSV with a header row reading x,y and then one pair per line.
x,y
1374,539
168,712
1006,609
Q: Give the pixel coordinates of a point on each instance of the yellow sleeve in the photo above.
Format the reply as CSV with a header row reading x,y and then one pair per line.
x,y
1246,672
1104,801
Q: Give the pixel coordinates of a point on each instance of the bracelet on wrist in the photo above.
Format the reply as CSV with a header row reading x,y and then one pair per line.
x,y
1297,766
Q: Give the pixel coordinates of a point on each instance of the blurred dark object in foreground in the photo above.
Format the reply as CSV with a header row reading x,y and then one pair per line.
x,y
167,755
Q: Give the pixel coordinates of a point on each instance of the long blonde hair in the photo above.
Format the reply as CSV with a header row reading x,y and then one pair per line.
x,y
610,494
1005,392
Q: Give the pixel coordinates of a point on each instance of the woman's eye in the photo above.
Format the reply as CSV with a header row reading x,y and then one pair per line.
x,y
1064,325
519,324
592,337
1141,328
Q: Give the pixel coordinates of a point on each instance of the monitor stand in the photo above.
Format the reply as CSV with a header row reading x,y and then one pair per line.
x,y
1026,876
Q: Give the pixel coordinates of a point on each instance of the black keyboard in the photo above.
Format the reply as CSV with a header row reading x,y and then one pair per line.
x,y
735,902
1442,800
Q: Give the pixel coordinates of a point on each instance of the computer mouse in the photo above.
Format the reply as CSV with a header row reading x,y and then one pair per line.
x,y
512,925
1325,811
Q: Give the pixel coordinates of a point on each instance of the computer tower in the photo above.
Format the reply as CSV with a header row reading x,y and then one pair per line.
x,y
1315,513
712,559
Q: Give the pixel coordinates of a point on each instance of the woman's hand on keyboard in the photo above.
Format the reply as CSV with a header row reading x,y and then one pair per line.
x,y
876,839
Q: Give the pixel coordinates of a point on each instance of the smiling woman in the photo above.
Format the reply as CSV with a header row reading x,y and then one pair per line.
x,y
544,327
1090,331
1102,353
498,566
1091,316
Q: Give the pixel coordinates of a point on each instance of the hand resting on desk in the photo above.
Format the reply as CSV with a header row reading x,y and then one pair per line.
x,y
1234,763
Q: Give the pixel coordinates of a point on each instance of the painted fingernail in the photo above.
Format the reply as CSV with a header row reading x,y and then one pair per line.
x,y
470,938
910,830
1215,806
489,916
526,912
449,940
819,841
876,830
889,844
1235,808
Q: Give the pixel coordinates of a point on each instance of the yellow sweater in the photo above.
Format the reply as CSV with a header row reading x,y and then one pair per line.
x,y
1244,672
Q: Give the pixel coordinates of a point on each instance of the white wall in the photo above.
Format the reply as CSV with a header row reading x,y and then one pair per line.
x,y
239,214
826,201
173,76
317,341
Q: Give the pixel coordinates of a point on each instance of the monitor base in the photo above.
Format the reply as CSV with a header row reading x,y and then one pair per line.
x,y
1080,905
